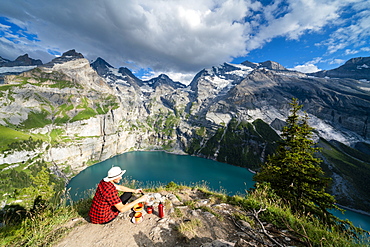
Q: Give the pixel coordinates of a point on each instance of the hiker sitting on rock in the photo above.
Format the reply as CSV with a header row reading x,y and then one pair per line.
x,y
106,203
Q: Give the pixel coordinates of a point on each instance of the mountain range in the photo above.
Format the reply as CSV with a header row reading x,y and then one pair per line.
x,y
233,113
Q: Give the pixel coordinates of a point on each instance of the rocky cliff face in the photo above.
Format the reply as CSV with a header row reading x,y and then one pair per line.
x,y
101,117
88,113
355,68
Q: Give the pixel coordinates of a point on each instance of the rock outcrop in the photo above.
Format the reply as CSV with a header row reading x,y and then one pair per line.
x,y
205,222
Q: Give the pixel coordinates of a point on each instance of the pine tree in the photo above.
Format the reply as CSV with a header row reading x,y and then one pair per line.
x,y
41,189
295,173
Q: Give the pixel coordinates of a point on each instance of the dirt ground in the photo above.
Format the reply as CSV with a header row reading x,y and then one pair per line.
x,y
216,228
152,231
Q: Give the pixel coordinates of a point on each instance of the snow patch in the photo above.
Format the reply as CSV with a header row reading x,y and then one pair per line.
x,y
217,82
188,89
292,74
242,67
324,130
116,78
364,66
267,114
218,118
146,89
122,82
241,73
115,72
365,84
243,70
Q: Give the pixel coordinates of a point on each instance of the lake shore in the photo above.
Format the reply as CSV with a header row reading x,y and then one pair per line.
x,y
354,210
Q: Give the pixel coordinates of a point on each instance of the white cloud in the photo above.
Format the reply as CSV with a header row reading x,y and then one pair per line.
x,y
306,68
166,35
4,28
301,16
350,52
184,78
11,51
311,67
181,36
351,31
337,61
355,32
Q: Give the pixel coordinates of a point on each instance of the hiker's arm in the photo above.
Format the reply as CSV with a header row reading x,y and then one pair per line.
x,y
125,207
126,189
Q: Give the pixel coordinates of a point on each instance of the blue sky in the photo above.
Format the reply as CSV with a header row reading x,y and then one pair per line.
x,y
179,38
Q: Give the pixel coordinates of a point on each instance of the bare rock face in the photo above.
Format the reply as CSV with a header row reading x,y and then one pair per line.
x,y
355,68
118,113
66,57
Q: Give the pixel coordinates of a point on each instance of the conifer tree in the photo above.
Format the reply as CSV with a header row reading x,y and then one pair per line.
x,y
293,171
41,189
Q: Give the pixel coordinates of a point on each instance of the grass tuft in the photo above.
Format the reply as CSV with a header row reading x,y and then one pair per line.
x,y
189,228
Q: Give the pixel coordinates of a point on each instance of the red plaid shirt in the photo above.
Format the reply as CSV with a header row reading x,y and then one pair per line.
x,y
102,208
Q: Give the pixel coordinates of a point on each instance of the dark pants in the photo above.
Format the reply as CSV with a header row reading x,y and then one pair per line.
x,y
125,197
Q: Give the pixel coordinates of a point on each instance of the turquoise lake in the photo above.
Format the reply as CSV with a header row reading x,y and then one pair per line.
x,y
160,168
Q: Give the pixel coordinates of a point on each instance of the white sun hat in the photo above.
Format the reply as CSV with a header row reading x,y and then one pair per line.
x,y
113,173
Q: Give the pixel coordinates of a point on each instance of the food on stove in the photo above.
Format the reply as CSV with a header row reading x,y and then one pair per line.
x,y
138,207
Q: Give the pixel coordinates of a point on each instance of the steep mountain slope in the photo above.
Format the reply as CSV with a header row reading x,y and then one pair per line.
x,y
338,109
86,113
24,60
355,68
19,65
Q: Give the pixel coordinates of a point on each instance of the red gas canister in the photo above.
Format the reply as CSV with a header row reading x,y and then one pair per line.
x,y
160,210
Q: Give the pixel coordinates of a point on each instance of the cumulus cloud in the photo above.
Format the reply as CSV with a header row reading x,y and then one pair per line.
x,y
297,18
355,31
306,68
337,61
184,78
181,36
311,66
178,35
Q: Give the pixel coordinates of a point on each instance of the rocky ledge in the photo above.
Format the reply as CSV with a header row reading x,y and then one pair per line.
x,y
192,218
